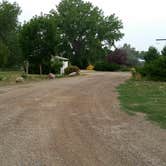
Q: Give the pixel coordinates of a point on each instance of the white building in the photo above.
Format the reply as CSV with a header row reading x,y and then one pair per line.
x,y
65,63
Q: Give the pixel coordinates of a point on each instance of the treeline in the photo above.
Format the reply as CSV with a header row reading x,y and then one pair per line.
x,y
76,30
10,50
155,65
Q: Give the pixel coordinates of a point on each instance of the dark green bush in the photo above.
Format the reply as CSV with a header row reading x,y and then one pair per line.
x,y
56,65
151,55
105,66
72,69
125,69
155,70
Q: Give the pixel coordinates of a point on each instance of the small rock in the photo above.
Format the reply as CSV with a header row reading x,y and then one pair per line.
x,y
51,76
73,74
19,79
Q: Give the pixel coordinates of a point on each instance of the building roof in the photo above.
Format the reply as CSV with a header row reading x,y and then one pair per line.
x,y
61,58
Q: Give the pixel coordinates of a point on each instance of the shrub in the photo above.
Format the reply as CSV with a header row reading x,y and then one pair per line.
x,y
72,69
155,70
90,67
133,72
56,65
105,66
3,77
138,76
125,68
151,55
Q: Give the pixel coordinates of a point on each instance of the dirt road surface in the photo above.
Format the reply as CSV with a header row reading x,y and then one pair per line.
x,y
75,122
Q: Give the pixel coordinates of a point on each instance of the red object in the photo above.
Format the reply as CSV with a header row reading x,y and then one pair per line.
x,y
51,76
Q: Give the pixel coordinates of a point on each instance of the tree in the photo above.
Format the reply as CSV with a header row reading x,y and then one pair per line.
x,y
4,52
85,31
8,18
163,52
8,32
151,54
132,55
15,58
119,56
39,40
142,54
155,70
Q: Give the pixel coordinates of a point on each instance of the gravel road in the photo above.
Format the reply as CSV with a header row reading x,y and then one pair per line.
x,y
75,122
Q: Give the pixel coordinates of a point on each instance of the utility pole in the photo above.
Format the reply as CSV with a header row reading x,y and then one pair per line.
x,y
160,39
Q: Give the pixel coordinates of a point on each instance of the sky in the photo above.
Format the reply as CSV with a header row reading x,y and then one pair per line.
x,y
144,20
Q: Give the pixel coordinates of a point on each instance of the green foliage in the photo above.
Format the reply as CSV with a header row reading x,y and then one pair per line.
x,y
125,68
4,53
8,18
39,40
155,70
59,75
151,54
118,56
56,64
148,97
155,66
163,52
9,43
72,69
133,72
1,78
132,55
106,66
15,58
9,77
86,33
76,30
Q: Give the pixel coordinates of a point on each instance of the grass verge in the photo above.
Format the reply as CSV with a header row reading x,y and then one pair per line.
x,y
148,97
9,77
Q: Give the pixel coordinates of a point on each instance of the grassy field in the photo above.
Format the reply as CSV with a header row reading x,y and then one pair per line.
x,y
145,96
9,77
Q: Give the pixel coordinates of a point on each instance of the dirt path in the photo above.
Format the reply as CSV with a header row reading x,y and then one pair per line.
x,y
75,122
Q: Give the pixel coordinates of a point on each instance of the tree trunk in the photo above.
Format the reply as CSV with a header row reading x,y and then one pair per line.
x,y
40,67
27,68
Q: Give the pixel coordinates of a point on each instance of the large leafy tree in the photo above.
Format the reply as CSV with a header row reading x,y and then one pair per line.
x,y
118,56
163,52
15,57
8,32
85,31
132,55
4,53
39,41
151,54
8,18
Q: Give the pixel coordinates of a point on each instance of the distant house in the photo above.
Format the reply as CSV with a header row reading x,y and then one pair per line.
x,y
65,62
141,60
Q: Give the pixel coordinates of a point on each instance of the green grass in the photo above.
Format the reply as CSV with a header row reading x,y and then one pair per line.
x,y
145,96
9,77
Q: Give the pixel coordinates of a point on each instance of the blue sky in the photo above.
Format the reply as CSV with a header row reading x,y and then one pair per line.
x,y
144,20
